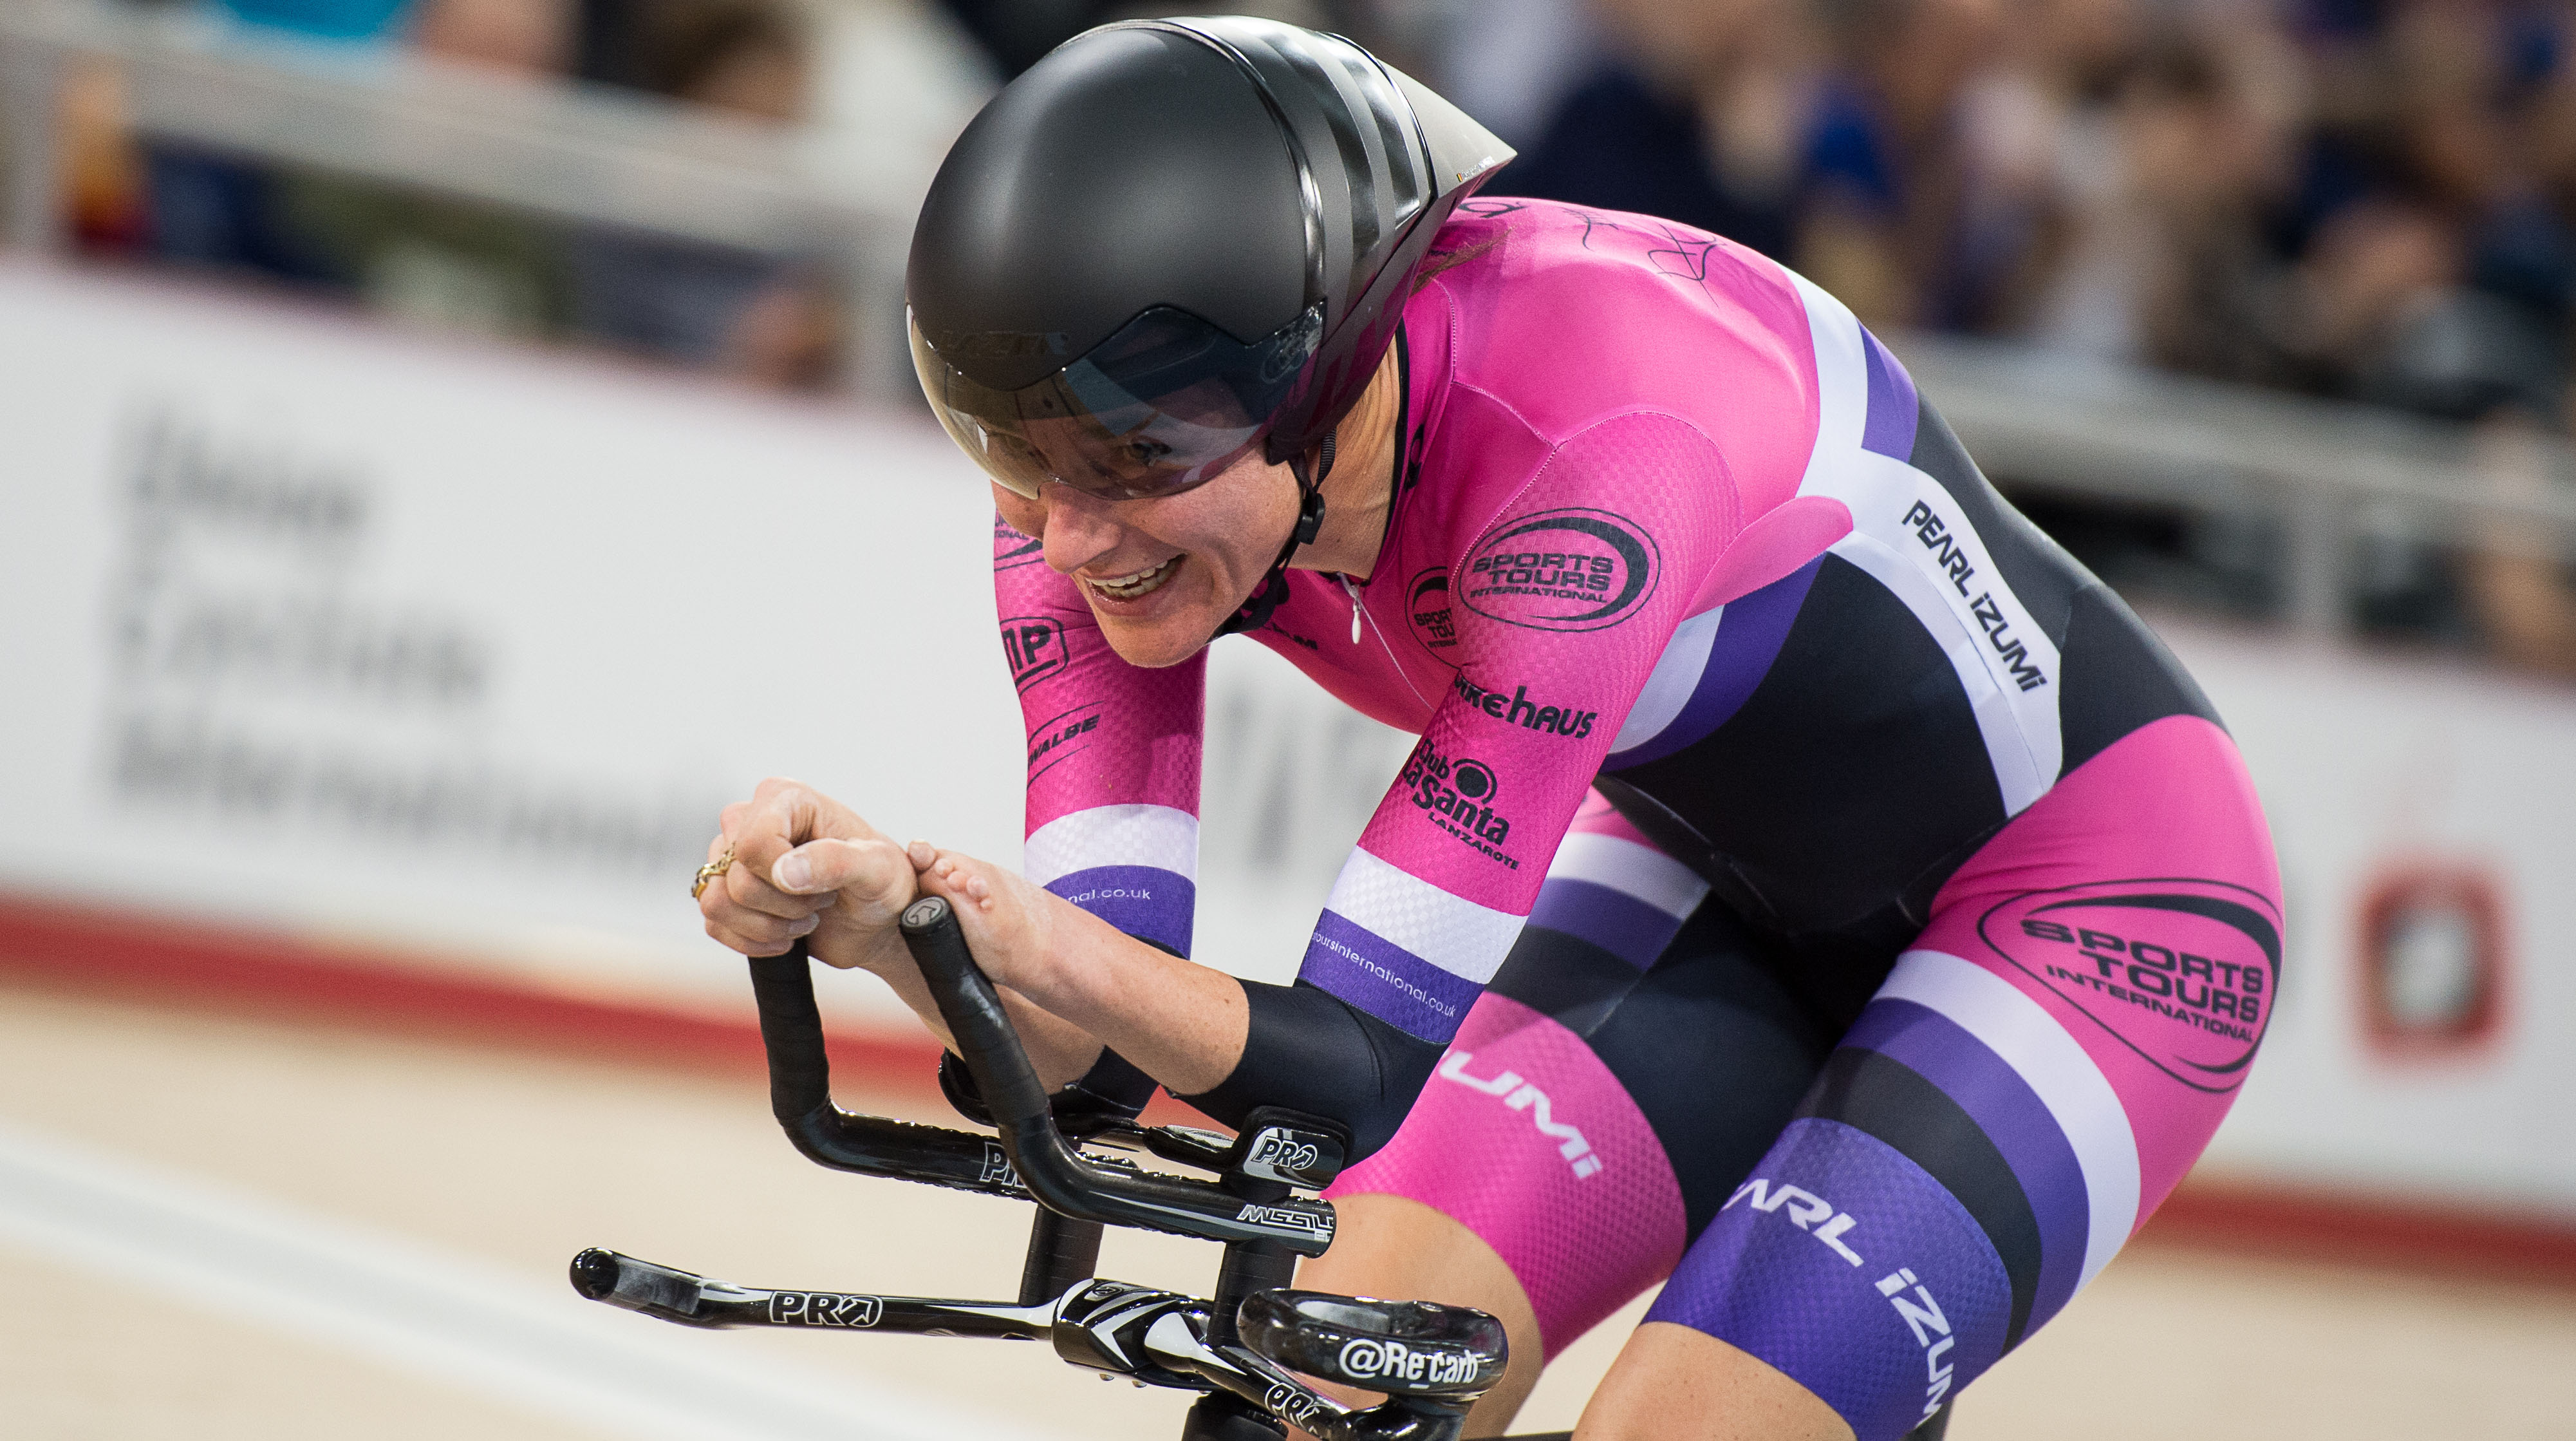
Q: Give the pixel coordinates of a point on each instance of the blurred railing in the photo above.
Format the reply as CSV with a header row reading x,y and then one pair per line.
x,y
2321,476
578,153
2311,483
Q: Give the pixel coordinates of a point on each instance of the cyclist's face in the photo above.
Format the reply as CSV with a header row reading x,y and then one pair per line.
x,y
1161,575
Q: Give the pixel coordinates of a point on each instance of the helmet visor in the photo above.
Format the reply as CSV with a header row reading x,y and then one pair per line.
x,y
1162,405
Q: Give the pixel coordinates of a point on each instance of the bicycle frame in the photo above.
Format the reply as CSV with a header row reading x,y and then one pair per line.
x,y
1158,1338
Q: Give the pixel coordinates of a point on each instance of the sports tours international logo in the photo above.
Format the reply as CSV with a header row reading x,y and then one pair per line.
x,y
1426,608
2185,972
1575,569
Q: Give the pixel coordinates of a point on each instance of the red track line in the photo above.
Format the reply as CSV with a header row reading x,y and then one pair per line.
x,y
137,956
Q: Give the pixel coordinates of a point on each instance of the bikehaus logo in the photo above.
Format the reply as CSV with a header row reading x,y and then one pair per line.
x,y
1426,609
1573,569
1457,795
2183,971
1318,1224
1801,1208
1011,550
1366,1358
1931,1331
1520,1095
824,1308
1951,558
1521,711
1035,645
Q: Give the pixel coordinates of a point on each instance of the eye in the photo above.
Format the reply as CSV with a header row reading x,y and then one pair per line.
x,y
1144,453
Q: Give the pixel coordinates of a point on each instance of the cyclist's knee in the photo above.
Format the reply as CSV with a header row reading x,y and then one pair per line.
x,y
1675,1383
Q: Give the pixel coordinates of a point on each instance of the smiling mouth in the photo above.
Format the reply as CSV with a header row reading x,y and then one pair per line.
x,y
1137,585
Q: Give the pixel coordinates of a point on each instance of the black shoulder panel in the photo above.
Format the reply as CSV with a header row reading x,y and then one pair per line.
x,y
2115,675
2118,676
2038,570
1853,767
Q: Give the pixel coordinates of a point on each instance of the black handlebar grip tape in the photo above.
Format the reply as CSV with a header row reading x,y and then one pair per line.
x,y
791,1030
986,1040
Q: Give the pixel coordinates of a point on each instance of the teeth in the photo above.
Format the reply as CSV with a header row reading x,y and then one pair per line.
x,y
1137,583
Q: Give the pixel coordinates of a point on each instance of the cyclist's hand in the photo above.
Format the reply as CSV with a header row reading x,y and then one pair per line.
x,y
806,865
1007,920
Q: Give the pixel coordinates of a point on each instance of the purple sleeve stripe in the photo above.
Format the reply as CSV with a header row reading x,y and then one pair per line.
x,y
1386,980
1848,1268
1749,637
2004,1106
1893,410
1615,921
1147,902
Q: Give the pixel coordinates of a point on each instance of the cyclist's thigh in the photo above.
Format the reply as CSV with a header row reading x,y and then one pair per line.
x,y
1625,1069
2033,1077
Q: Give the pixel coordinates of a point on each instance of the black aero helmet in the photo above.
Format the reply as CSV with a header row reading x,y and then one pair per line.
x,y
1172,240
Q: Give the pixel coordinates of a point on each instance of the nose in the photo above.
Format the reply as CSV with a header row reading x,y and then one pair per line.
x,y
1079,529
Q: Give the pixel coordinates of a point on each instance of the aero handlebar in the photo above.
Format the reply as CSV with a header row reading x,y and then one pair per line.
x,y
1061,1180
1248,1348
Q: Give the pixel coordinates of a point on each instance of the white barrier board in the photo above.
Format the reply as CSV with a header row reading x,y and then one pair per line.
x,y
460,648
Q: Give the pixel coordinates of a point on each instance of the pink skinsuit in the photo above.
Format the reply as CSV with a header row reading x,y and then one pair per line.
x,y
1668,519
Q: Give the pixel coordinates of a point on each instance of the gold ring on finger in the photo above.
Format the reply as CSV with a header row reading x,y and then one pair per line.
x,y
709,872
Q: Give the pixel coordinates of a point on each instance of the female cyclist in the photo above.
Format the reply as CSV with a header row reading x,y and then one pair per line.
x,y
1811,889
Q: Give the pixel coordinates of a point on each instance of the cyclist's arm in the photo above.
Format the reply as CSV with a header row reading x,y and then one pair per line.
x,y
1112,753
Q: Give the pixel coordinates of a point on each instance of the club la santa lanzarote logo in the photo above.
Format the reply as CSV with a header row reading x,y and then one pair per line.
x,y
2184,972
1426,609
1457,794
1575,569
1035,644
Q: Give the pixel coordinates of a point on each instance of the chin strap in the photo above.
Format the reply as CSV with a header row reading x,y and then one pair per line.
x,y
1273,590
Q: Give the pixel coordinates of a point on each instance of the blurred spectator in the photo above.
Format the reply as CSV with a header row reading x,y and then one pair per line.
x,y
435,259
759,317
1016,34
2518,585
747,57
352,20
519,37
103,182
2168,163
1509,63
1700,119
1911,214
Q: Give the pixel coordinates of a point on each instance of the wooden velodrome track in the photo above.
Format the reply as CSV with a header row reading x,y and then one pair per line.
x,y
219,1225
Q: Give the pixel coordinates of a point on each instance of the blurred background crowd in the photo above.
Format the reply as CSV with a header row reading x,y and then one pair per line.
x,y
2372,200
2368,198
2365,198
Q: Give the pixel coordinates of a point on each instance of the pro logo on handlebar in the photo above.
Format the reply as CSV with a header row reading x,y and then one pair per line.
x,y
997,1166
923,913
1281,1147
1292,1405
823,1308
